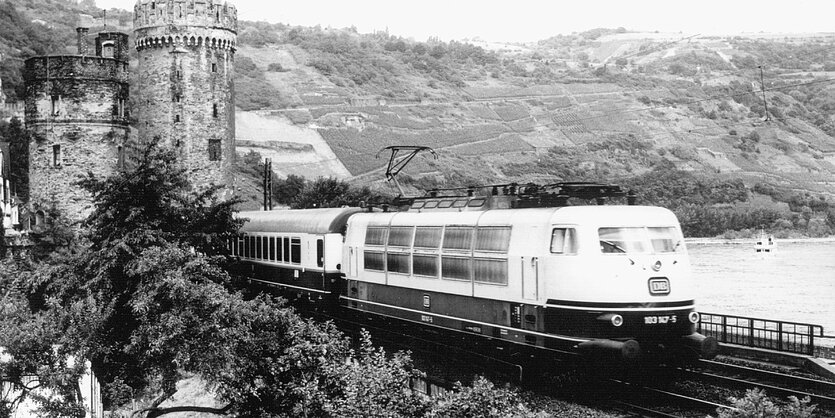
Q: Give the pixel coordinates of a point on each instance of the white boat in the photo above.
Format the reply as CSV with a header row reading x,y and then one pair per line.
x,y
765,243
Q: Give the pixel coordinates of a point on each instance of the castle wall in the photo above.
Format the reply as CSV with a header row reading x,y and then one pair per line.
x,y
184,83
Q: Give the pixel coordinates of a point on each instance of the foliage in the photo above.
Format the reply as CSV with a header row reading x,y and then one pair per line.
x,y
756,404
18,138
331,193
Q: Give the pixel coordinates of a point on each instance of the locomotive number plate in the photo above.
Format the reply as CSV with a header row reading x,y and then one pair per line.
x,y
660,319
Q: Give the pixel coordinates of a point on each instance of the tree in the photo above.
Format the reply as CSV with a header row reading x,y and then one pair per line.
x,y
331,193
18,138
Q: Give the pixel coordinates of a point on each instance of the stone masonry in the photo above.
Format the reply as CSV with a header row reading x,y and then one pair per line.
x,y
184,90
76,109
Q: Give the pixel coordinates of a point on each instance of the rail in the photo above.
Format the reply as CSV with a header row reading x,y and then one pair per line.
x,y
770,334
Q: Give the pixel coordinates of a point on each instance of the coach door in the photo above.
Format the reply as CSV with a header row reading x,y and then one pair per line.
x,y
530,278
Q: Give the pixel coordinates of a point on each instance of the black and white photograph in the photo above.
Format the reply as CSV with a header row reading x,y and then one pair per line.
x,y
429,209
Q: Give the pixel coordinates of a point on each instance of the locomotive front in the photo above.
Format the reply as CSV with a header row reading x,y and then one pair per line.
x,y
619,276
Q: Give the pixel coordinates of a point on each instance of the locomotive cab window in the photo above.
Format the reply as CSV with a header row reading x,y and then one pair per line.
x,y
665,239
564,241
626,240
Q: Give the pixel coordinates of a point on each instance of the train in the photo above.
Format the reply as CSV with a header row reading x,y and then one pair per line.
x,y
523,265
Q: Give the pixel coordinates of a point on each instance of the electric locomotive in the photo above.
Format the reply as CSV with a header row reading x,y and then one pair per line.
x,y
519,265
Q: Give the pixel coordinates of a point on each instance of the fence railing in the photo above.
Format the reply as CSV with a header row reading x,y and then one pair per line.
x,y
785,336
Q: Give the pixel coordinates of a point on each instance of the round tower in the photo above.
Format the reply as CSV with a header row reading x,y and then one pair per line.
x,y
185,95
75,106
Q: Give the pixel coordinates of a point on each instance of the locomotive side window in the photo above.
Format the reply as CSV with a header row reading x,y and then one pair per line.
x,y
375,235
490,271
374,260
665,239
623,240
458,238
425,265
428,237
455,268
397,263
296,250
564,241
492,239
400,236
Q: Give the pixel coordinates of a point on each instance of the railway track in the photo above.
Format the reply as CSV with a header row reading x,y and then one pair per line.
x,y
775,384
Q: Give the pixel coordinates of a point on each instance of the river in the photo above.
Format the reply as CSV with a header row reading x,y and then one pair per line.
x,y
794,283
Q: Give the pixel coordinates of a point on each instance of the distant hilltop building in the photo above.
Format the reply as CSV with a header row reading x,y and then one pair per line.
x,y
185,95
75,107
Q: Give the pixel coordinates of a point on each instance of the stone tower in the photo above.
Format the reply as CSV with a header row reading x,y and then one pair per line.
x,y
184,90
75,106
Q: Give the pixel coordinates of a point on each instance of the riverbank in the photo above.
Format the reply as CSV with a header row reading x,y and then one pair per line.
x,y
750,241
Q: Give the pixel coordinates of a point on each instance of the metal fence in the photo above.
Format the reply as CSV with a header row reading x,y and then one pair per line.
x,y
785,336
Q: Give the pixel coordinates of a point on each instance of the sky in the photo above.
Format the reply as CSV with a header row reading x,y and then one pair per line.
x,y
531,20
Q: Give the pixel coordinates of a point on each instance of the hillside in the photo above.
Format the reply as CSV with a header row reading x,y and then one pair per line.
x,y
602,105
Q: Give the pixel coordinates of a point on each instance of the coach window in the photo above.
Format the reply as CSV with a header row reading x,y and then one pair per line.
x,y
401,236
246,245
272,248
258,246
417,204
460,203
428,237
320,252
375,235
431,204
564,241
490,271
455,268
425,265
278,249
397,263
296,250
443,204
458,238
286,249
240,243
374,260
492,239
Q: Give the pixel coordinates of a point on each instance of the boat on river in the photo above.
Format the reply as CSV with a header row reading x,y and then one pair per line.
x,y
765,243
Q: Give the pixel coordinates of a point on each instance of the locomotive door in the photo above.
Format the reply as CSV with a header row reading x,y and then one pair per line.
x,y
353,261
530,278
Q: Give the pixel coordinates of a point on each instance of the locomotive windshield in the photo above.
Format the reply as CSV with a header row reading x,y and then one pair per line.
x,y
639,240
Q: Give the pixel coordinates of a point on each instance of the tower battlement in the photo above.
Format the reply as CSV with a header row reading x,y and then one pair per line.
x,y
211,14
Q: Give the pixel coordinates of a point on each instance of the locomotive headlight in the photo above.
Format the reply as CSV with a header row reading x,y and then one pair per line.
x,y
617,320
657,265
694,317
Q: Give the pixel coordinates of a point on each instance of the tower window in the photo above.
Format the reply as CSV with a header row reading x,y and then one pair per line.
x,y
57,156
214,149
176,118
56,105
120,157
214,110
214,67
121,105
153,5
179,75
177,98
